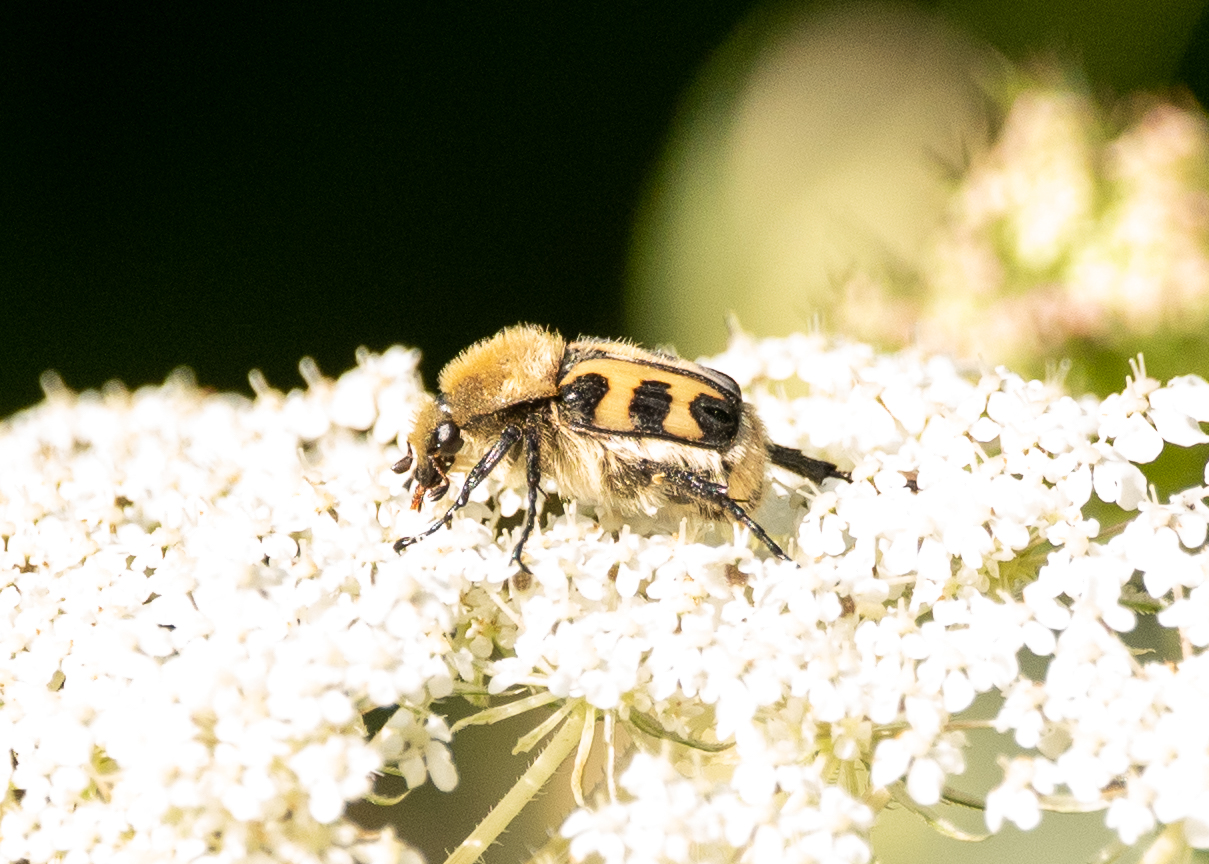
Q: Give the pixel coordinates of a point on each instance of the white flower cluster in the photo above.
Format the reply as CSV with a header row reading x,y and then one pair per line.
x,y
671,818
909,602
199,600
192,621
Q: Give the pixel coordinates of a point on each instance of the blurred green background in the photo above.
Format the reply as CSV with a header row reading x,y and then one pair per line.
x,y
233,187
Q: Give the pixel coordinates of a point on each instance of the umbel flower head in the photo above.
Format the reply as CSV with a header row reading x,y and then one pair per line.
x,y
199,605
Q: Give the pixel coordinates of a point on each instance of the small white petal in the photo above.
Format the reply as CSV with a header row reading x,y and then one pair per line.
x,y
958,693
1177,428
1137,440
890,762
1188,394
925,781
1119,483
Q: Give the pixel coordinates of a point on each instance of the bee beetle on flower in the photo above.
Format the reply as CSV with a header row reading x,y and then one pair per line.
x,y
613,424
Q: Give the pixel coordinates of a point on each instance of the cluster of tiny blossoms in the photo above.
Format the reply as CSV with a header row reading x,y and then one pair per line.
x,y
192,622
199,601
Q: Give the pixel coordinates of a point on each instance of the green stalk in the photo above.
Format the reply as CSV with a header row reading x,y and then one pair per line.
x,y
519,795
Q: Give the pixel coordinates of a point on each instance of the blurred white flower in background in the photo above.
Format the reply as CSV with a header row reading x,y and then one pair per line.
x,y
1065,229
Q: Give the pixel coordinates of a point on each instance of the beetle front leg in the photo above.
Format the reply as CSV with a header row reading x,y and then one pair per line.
x,y
478,474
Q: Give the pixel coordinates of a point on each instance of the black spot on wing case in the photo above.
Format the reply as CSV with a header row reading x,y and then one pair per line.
x,y
581,396
650,403
718,418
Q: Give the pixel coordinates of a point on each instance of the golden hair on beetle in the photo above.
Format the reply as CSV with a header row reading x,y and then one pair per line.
x,y
612,423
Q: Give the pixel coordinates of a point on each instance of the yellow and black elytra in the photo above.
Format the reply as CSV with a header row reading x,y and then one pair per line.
x,y
615,425
614,393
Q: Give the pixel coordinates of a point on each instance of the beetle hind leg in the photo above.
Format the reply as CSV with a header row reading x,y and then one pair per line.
x,y
697,488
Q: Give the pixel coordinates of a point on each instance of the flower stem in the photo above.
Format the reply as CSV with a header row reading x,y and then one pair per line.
x,y
518,796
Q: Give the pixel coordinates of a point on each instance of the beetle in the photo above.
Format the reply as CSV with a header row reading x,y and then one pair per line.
x,y
612,423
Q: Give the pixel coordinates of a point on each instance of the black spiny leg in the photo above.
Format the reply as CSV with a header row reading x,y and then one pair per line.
x,y
478,474
696,487
533,479
799,463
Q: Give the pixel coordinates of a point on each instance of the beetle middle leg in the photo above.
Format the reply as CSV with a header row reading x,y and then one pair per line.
x,y
533,479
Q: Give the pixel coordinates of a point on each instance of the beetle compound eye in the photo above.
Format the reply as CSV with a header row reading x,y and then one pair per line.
x,y
446,439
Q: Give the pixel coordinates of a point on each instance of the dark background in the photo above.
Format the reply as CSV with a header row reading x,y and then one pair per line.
x,y
230,189
235,189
